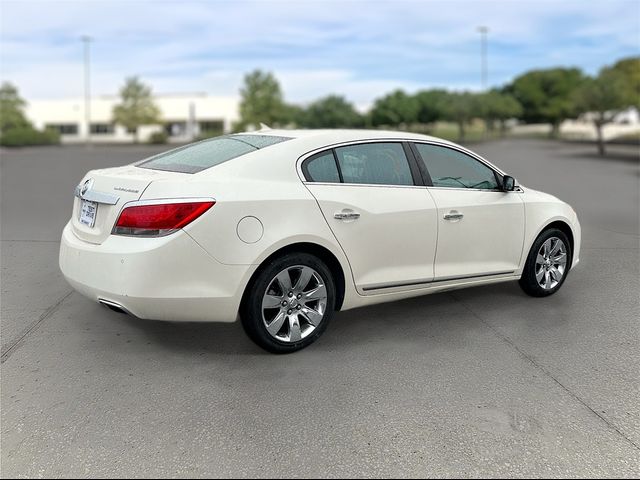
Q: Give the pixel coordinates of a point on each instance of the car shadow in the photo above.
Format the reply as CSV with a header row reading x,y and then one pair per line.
x,y
196,337
434,320
440,318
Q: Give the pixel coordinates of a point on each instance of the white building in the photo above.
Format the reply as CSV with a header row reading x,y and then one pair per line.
x,y
184,117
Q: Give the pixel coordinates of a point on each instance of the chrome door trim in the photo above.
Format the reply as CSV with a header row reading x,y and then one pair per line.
x,y
346,215
453,215
382,286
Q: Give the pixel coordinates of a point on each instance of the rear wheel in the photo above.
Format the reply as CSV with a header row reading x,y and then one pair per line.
x,y
289,303
547,264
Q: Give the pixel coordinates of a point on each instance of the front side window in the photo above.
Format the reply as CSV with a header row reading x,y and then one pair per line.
x,y
374,163
454,169
208,153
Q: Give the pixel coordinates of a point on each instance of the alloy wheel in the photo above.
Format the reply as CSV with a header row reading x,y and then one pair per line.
x,y
294,303
551,263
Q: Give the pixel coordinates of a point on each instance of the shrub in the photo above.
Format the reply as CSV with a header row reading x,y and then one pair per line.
x,y
158,138
25,136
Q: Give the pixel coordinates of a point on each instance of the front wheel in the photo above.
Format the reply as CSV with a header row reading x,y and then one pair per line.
x,y
547,264
289,304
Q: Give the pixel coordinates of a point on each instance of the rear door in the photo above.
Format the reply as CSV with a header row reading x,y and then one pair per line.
x,y
481,227
386,223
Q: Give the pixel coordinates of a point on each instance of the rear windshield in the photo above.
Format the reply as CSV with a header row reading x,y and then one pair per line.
x,y
202,155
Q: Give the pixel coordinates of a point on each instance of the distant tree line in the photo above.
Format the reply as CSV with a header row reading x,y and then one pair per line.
x,y
539,96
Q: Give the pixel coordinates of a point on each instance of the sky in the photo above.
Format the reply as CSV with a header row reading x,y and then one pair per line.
x,y
359,49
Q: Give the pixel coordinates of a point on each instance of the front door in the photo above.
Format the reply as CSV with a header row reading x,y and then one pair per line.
x,y
480,227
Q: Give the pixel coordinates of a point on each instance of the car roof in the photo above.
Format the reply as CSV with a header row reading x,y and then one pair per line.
x,y
325,137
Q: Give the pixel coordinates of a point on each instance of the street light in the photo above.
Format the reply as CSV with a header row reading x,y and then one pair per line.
x,y
86,40
483,55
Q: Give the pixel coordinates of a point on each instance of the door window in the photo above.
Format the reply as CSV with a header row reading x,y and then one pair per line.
x,y
452,168
374,163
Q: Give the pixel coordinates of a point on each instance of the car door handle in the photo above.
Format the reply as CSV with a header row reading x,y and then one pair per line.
x,y
453,215
346,215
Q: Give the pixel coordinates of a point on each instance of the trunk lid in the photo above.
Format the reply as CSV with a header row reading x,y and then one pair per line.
x,y
107,190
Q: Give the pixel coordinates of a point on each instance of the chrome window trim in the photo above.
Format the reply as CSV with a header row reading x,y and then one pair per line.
x,y
460,149
384,185
331,146
493,190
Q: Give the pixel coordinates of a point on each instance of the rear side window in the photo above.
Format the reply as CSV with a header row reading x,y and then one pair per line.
x,y
374,163
322,168
208,153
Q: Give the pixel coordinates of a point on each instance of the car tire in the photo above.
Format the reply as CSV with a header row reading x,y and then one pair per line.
x,y
546,269
284,316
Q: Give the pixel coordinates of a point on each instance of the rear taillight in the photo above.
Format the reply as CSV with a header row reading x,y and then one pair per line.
x,y
158,219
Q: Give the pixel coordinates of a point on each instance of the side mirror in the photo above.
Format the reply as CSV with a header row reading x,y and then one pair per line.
x,y
508,183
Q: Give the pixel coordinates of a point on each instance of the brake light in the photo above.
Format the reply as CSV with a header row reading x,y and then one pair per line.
x,y
157,220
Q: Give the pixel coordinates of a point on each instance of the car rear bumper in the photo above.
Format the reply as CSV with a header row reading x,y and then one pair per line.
x,y
168,278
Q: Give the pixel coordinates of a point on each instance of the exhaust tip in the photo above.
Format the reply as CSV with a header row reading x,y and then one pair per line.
x,y
116,307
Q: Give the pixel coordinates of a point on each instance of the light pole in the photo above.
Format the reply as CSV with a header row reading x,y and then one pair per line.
x,y
86,40
483,55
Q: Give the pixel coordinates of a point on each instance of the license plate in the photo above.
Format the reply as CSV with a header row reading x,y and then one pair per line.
x,y
88,212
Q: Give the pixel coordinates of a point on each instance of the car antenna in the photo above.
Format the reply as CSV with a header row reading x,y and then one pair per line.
x,y
264,126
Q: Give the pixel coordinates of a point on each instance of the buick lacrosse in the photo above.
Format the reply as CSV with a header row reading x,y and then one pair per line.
x,y
282,228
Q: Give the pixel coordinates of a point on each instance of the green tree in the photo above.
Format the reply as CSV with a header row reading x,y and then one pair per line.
x,y
15,129
293,115
461,108
496,107
431,105
11,108
629,68
137,107
332,111
546,95
262,101
394,109
603,97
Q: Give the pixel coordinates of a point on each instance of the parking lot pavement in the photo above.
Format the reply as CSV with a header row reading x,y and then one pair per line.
x,y
477,382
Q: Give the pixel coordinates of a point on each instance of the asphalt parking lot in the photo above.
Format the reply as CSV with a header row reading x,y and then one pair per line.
x,y
478,382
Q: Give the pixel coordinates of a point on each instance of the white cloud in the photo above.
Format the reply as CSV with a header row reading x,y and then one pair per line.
x,y
356,48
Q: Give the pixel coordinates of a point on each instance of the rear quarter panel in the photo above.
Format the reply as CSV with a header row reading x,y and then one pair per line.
x,y
254,187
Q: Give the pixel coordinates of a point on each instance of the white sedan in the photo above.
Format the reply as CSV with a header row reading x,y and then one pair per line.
x,y
282,228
